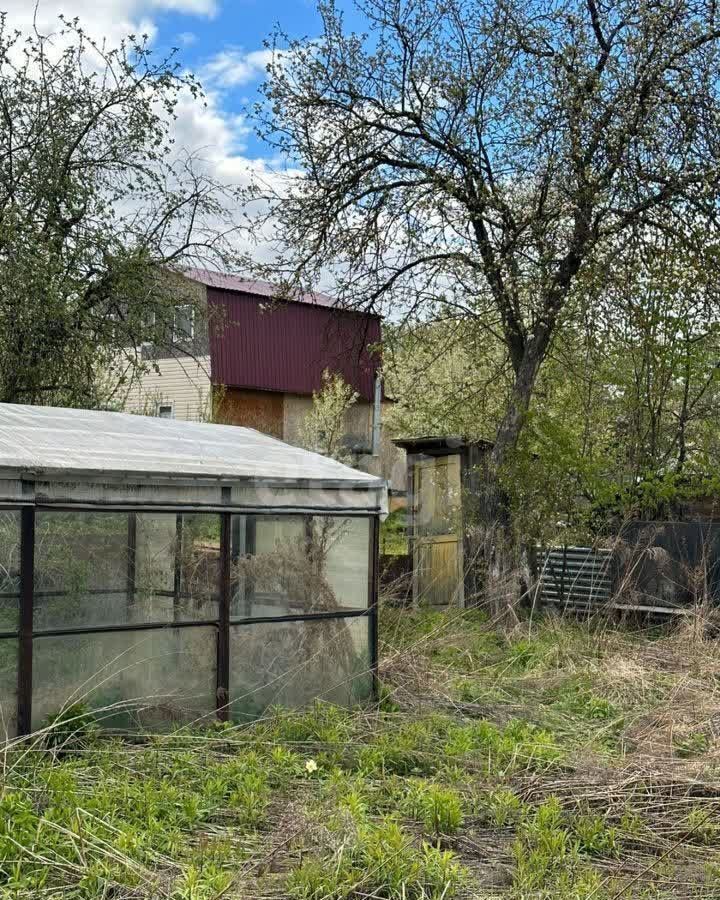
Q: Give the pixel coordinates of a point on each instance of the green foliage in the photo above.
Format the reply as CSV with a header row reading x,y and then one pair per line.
x,y
371,799
205,882
443,381
129,810
577,698
694,744
502,807
594,836
549,853
440,809
385,698
703,826
547,649
382,861
408,750
96,209
393,534
519,745
70,729
320,723
325,427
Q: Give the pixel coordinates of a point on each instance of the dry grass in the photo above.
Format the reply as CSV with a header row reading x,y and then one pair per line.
x,y
569,760
646,763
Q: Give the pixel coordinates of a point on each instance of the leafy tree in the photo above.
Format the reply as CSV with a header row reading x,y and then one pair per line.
x,y
446,377
96,205
480,155
323,429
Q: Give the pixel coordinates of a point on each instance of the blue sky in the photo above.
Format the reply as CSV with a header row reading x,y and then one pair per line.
x,y
225,47
220,40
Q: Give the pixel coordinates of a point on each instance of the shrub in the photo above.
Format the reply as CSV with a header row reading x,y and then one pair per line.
x,y
72,728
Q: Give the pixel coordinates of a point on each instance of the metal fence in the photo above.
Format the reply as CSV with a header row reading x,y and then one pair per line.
x,y
576,577
658,567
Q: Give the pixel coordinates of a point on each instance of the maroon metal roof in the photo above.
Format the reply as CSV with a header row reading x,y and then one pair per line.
x,y
261,344
227,282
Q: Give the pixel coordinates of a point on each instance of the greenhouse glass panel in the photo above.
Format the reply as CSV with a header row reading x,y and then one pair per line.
x,y
9,569
292,663
298,565
177,568
8,687
98,568
153,678
81,569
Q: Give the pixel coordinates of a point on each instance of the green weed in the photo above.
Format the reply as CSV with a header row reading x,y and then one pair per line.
x,y
548,859
382,861
694,744
440,809
702,826
502,807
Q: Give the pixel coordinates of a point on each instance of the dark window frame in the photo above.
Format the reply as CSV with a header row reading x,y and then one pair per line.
x,y
26,632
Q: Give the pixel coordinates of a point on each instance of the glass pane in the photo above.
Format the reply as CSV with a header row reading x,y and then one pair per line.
x,y
293,565
95,568
293,663
8,688
437,492
183,323
149,679
347,562
9,569
177,568
81,569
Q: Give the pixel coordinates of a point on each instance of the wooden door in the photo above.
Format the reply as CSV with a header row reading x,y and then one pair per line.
x,y
437,543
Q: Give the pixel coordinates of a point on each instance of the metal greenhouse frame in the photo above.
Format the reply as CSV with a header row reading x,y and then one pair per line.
x,y
131,526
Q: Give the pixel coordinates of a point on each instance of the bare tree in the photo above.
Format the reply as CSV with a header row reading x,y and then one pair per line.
x,y
479,153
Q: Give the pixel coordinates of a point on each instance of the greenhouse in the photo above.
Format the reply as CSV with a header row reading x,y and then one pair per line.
x,y
161,573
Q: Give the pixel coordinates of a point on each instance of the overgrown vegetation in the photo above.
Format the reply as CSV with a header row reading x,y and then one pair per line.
x,y
567,760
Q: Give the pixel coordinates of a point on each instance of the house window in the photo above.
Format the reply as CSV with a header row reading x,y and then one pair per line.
x,y
149,322
183,323
165,410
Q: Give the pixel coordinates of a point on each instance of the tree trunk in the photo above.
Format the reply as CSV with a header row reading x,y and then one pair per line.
x,y
498,547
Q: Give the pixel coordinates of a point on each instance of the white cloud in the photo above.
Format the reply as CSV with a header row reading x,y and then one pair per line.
x,y
110,20
191,7
233,67
214,135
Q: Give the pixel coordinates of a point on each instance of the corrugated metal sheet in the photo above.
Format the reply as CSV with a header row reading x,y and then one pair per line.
x,y
227,282
576,577
274,346
587,578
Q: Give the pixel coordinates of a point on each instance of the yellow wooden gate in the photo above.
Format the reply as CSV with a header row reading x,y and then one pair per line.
x,y
437,533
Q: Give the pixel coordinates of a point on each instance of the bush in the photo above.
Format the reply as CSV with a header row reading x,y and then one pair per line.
x,y
72,728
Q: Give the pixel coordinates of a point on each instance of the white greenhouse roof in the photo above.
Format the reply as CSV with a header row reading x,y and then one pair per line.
x,y
46,442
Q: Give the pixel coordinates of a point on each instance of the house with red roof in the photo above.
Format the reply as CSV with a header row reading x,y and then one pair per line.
x,y
255,359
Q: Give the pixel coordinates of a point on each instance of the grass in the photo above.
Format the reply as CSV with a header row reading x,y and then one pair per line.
x,y
570,761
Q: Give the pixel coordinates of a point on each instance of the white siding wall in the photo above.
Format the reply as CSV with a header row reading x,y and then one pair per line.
x,y
184,382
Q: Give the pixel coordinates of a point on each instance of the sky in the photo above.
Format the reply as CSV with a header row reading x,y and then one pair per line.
x,y
220,41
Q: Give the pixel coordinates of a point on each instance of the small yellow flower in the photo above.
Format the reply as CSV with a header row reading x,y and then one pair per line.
x,y
311,766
